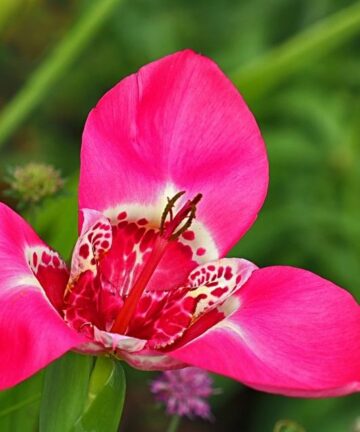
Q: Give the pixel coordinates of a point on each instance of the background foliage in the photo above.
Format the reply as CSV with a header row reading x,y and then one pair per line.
x,y
57,57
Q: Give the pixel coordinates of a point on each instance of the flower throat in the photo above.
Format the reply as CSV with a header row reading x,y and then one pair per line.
x,y
171,227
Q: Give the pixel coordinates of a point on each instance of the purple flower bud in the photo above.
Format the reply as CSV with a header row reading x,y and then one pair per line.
x,y
184,392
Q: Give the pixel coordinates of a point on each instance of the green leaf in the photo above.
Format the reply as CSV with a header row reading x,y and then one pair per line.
x,y
78,397
105,398
65,392
19,405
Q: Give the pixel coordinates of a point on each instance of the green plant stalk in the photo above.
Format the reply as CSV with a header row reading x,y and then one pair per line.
x,y
174,424
54,66
313,43
65,392
19,405
105,398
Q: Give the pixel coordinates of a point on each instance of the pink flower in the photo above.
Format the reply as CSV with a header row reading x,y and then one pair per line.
x,y
147,281
184,392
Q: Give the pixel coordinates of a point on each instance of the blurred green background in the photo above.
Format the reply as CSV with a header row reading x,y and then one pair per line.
x,y
297,64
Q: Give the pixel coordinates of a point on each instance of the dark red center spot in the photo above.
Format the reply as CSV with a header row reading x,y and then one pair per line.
x,y
84,251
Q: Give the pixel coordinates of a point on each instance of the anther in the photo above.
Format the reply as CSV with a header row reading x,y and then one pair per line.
x,y
171,227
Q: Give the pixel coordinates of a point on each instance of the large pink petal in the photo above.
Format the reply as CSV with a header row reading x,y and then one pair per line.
x,y
32,333
178,124
293,333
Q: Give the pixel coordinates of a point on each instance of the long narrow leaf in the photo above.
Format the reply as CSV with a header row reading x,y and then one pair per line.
x,y
105,399
65,392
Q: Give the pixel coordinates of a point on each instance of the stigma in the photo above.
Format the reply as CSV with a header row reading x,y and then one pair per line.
x,y
172,225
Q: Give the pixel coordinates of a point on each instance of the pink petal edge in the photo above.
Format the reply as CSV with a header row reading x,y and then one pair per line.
x,y
32,333
294,333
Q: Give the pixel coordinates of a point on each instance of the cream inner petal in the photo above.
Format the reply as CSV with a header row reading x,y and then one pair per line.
x,y
197,237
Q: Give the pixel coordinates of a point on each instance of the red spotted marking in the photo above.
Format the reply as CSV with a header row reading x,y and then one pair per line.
x,y
35,259
107,262
211,284
51,272
162,318
122,215
189,235
45,258
84,251
132,246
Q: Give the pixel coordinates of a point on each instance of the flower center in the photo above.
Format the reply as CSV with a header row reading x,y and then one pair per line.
x,y
171,227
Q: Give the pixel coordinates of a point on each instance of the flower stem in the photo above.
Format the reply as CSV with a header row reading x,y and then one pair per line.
x,y
54,67
174,423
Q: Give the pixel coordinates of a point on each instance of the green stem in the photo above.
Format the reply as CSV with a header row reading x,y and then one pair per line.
x,y
311,44
174,423
20,405
54,66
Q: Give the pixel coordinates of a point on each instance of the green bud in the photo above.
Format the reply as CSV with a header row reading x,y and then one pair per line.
x,y
288,426
29,184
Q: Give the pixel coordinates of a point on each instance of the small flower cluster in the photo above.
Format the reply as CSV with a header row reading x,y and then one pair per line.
x,y
184,392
